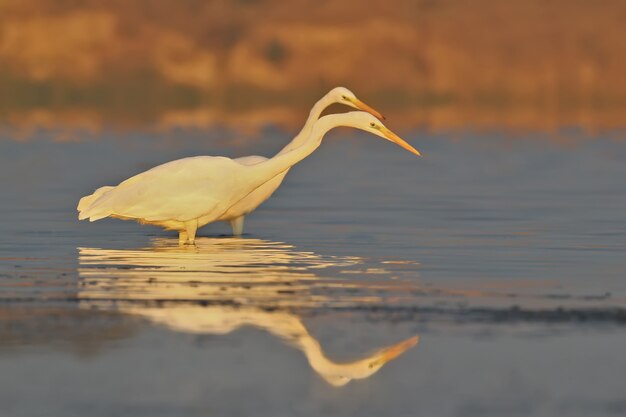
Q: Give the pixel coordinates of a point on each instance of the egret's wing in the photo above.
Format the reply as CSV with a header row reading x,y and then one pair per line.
x,y
250,160
179,190
255,198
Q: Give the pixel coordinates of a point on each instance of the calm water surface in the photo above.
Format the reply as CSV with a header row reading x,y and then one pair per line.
x,y
486,278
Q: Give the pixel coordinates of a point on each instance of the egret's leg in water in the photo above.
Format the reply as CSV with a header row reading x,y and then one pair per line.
x,y
237,225
191,227
182,237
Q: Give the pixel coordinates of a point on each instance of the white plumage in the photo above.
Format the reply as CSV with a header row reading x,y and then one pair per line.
x,y
235,215
189,193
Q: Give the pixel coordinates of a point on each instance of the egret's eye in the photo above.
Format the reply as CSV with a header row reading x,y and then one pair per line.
x,y
373,124
344,97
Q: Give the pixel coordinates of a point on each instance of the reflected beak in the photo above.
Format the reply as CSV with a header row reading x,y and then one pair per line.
x,y
399,141
398,349
362,106
394,351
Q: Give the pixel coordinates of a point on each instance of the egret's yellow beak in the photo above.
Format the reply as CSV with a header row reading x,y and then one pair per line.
x,y
362,106
388,134
394,351
398,349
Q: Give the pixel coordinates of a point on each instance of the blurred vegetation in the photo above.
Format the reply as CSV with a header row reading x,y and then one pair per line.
x,y
134,61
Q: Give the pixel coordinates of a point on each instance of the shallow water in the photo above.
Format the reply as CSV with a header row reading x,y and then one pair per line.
x,y
486,278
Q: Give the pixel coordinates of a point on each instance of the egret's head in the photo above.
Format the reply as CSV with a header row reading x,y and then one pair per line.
x,y
369,123
342,95
339,374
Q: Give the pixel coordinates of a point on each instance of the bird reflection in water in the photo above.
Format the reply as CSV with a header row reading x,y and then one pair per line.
x,y
223,284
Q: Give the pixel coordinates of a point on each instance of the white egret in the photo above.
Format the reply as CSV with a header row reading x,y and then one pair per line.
x,y
191,192
235,215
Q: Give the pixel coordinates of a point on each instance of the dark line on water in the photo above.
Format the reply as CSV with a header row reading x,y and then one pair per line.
x,y
396,313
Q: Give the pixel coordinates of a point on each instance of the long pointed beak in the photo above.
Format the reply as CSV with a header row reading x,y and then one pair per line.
x,y
398,349
399,141
362,106
394,351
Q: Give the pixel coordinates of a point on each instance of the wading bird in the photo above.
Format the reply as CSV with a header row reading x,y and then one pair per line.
x,y
189,193
235,215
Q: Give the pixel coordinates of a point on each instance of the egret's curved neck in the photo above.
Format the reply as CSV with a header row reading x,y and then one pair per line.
x,y
291,329
264,171
334,373
314,115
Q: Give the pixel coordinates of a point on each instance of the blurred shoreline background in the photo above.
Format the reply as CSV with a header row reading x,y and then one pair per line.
x,y
440,65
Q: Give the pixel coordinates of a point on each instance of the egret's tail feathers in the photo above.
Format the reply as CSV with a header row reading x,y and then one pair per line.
x,y
92,215
95,217
86,202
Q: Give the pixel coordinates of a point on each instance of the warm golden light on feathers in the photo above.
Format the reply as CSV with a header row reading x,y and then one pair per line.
x,y
189,193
